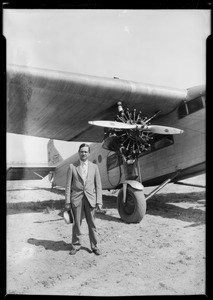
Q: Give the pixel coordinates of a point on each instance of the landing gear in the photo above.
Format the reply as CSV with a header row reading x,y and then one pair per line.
x,y
131,202
134,208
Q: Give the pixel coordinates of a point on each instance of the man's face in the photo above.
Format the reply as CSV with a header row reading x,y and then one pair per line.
x,y
84,153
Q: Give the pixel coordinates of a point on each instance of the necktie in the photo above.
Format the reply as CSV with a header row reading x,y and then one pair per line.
x,y
84,171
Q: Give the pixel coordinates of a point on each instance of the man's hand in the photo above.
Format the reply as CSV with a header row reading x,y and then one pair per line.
x,y
99,209
99,206
67,206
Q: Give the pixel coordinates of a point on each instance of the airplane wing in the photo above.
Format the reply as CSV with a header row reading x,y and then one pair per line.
x,y
58,105
28,173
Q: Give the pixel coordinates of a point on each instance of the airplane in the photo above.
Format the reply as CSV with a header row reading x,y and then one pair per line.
x,y
141,134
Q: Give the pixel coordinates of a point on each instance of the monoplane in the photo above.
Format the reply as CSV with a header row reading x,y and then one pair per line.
x,y
142,134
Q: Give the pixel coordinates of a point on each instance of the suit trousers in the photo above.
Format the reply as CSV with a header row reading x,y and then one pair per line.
x,y
84,208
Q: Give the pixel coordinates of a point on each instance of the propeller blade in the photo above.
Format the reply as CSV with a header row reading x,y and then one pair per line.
x,y
152,128
163,129
113,124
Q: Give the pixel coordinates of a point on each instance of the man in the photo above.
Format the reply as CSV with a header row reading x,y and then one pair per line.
x,y
83,195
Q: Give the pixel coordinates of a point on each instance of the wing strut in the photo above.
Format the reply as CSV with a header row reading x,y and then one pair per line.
x,y
190,184
162,185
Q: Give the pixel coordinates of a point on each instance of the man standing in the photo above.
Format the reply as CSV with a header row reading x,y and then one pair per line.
x,y
83,194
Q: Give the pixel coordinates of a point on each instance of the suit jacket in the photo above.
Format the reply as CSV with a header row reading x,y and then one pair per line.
x,y
76,189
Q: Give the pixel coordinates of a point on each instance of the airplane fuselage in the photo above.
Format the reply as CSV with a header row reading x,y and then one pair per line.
x,y
167,154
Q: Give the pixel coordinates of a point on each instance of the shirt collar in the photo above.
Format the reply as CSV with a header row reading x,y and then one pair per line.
x,y
84,163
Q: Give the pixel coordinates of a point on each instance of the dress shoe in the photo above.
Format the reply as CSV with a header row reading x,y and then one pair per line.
x,y
96,251
73,251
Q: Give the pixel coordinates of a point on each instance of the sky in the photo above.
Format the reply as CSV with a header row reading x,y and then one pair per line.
x,y
162,47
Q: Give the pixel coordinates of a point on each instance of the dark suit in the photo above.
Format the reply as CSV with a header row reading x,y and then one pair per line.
x,y
83,197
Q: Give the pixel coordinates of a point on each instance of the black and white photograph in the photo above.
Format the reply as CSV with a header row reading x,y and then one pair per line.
x,y
106,151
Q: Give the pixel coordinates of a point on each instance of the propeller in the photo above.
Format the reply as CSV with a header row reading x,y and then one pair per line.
x,y
142,127
131,134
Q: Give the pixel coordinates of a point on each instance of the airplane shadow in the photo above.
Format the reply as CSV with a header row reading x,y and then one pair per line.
x,y
164,205
52,190
34,206
54,245
55,190
109,202
107,217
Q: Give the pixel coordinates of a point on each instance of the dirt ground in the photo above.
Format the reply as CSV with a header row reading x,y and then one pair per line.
x,y
162,255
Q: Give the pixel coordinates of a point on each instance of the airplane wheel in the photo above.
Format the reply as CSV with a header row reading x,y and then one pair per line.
x,y
134,209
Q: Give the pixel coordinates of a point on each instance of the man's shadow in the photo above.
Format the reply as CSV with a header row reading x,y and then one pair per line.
x,y
53,245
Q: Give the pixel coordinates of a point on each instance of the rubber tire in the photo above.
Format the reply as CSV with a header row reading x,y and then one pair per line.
x,y
134,209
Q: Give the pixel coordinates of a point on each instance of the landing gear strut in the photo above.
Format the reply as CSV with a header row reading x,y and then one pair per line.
x,y
131,202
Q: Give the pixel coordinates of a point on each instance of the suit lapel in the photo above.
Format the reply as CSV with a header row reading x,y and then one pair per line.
x,y
78,168
89,170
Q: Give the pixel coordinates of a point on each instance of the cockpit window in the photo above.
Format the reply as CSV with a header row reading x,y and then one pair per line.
x,y
162,141
159,141
183,110
195,105
113,161
190,107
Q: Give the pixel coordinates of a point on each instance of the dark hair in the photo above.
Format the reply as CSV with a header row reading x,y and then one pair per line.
x,y
83,145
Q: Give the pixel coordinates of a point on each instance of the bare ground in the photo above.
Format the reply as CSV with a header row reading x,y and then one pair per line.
x,y
162,255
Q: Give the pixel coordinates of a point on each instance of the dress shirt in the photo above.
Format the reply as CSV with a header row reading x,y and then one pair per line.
x,y
84,168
